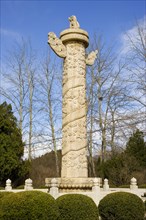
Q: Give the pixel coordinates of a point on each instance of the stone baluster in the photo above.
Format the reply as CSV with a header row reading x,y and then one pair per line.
x,y
105,185
133,184
96,185
8,185
54,188
28,184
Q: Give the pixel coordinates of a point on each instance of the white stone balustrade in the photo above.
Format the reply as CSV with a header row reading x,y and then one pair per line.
x,y
96,194
8,185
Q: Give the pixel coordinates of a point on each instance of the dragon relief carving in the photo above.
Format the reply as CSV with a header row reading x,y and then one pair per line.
x,y
56,44
71,160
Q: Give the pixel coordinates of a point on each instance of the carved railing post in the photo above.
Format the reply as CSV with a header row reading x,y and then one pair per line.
x,y
133,184
105,185
96,185
54,188
8,185
28,184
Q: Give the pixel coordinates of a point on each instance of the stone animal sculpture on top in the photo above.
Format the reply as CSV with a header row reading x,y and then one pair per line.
x,y
73,22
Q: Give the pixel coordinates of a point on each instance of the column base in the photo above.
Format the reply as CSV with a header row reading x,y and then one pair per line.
x,y
74,184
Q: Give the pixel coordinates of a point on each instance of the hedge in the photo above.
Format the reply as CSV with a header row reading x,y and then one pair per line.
x,y
29,205
121,206
77,207
3,194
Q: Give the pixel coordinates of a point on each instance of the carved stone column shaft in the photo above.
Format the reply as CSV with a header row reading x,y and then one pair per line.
x,y
74,155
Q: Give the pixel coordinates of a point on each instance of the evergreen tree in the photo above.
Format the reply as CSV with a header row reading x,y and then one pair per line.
x,y
119,169
11,146
136,146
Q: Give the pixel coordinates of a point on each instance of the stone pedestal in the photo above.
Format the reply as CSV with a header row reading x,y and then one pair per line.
x,y
71,47
66,185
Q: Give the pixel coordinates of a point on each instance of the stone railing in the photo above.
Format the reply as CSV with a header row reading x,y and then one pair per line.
x,y
96,194
27,186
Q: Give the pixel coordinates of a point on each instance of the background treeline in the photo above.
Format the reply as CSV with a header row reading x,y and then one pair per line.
x,y
116,90
119,168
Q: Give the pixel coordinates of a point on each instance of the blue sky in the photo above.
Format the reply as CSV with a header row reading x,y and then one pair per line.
x,y
34,19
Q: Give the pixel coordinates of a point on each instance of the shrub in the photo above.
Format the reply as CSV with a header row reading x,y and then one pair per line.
x,y
145,209
121,206
29,205
3,194
77,207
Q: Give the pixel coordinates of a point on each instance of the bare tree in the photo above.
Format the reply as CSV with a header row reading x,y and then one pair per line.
x,y
18,87
105,86
90,121
13,86
49,99
30,70
136,53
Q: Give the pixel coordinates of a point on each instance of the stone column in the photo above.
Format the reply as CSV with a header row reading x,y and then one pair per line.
x,y
71,46
74,143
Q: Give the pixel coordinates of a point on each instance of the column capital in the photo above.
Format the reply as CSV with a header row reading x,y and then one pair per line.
x,y
74,34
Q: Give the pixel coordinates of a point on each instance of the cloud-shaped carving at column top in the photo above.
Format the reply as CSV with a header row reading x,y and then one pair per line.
x,y
56,44
90,59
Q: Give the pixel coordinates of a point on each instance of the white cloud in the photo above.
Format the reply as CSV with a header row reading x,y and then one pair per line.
x,y
10,34
133,35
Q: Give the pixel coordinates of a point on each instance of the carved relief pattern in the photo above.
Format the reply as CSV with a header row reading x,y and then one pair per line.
x,y
74,161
